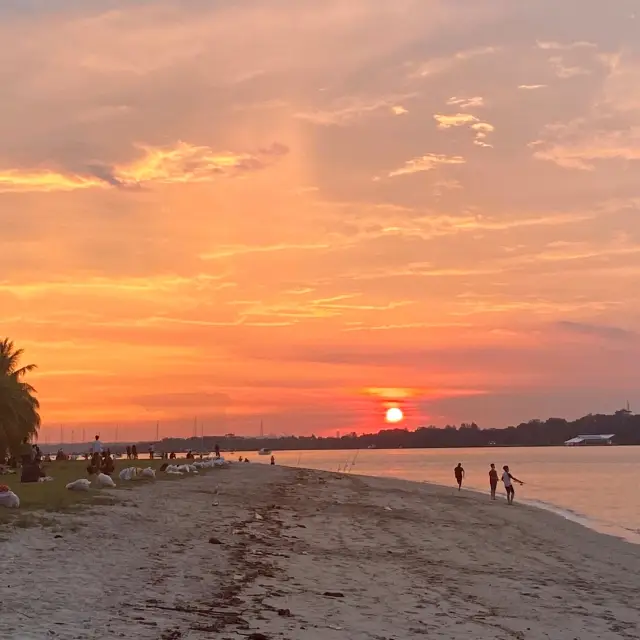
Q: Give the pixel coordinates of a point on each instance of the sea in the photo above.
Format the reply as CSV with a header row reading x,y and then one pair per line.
x,y
598,487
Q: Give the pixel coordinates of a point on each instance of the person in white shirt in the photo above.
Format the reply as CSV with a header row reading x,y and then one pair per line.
x,y
96,446
508,480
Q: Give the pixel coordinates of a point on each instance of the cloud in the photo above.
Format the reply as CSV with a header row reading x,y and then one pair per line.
x,y
243,250
15,180
558,46
598,330
531,87
440,65
456,120
564,71
481,129
182,163
578,146
466,103
347,110
427,162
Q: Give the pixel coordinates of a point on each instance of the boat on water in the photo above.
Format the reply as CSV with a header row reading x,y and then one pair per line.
x,y
264,452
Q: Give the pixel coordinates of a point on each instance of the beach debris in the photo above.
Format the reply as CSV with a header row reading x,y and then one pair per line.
x,y
284,613
388,509
79,485
335,627
148,473
258,516
215,503
333,594
103,480
8,499
215,541
45,479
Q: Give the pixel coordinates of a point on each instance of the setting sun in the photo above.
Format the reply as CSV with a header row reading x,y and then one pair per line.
x,y
394,415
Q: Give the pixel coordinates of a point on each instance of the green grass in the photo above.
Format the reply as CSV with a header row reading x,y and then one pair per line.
x,y
54,497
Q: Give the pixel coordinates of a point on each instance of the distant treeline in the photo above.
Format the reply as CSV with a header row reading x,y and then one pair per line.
x,y
554,431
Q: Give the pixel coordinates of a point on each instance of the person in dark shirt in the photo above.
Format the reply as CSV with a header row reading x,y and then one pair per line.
x,y
459,474
493,481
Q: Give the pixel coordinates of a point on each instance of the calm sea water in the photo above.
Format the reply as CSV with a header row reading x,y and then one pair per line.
x,y
597,486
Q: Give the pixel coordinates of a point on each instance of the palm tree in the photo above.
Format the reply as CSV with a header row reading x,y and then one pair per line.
x,y
19,415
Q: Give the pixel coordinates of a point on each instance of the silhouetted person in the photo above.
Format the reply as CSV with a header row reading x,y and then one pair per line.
x,y
25,452
493,481
273,460
96,446
128,452
108,466
217,450
459,474
508,480
134,452
151,452
172,456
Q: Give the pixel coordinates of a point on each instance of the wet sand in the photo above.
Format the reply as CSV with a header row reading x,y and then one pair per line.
x,y
268,552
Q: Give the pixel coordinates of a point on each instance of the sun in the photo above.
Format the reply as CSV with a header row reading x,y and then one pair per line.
x,y
394,415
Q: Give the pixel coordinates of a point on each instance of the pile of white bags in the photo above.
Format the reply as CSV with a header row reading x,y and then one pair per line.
x,y
103,480
148,473
9,500
210,463
130,473
79,485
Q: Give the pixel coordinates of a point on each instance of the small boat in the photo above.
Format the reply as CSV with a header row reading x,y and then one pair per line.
x,y
264,452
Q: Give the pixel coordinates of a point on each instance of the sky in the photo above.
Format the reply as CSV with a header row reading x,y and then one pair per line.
x,y
307,212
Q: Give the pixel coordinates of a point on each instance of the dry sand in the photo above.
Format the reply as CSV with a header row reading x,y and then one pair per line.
x,y
438,564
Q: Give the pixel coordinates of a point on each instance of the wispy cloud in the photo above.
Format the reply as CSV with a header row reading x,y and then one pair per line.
x,y
346,110
466,103
243,250
566,46
182,163
598,330
437,66
427,162
531,87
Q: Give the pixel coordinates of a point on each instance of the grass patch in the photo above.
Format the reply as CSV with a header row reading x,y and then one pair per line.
x,y
54,497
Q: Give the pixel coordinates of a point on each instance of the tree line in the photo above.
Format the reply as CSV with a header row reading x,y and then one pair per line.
x,y
551,432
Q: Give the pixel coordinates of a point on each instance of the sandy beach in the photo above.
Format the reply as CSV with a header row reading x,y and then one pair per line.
x,y
269,552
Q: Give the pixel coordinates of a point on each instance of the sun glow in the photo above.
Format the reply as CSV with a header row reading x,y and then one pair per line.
x,y
394,415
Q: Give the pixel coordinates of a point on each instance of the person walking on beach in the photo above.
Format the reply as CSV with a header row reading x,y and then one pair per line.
x,y
459,474
493,480
273,460
128,452
217,450
508,480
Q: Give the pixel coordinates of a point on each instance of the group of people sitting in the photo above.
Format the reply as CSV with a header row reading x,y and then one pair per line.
x,y
101,463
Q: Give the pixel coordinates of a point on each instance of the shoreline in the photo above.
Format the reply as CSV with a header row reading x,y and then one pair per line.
x,y
303,554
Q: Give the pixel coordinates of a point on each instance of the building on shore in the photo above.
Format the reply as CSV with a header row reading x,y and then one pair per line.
x,y
591,440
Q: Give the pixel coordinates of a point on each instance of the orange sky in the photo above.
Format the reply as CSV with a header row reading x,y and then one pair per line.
x,y
303,211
